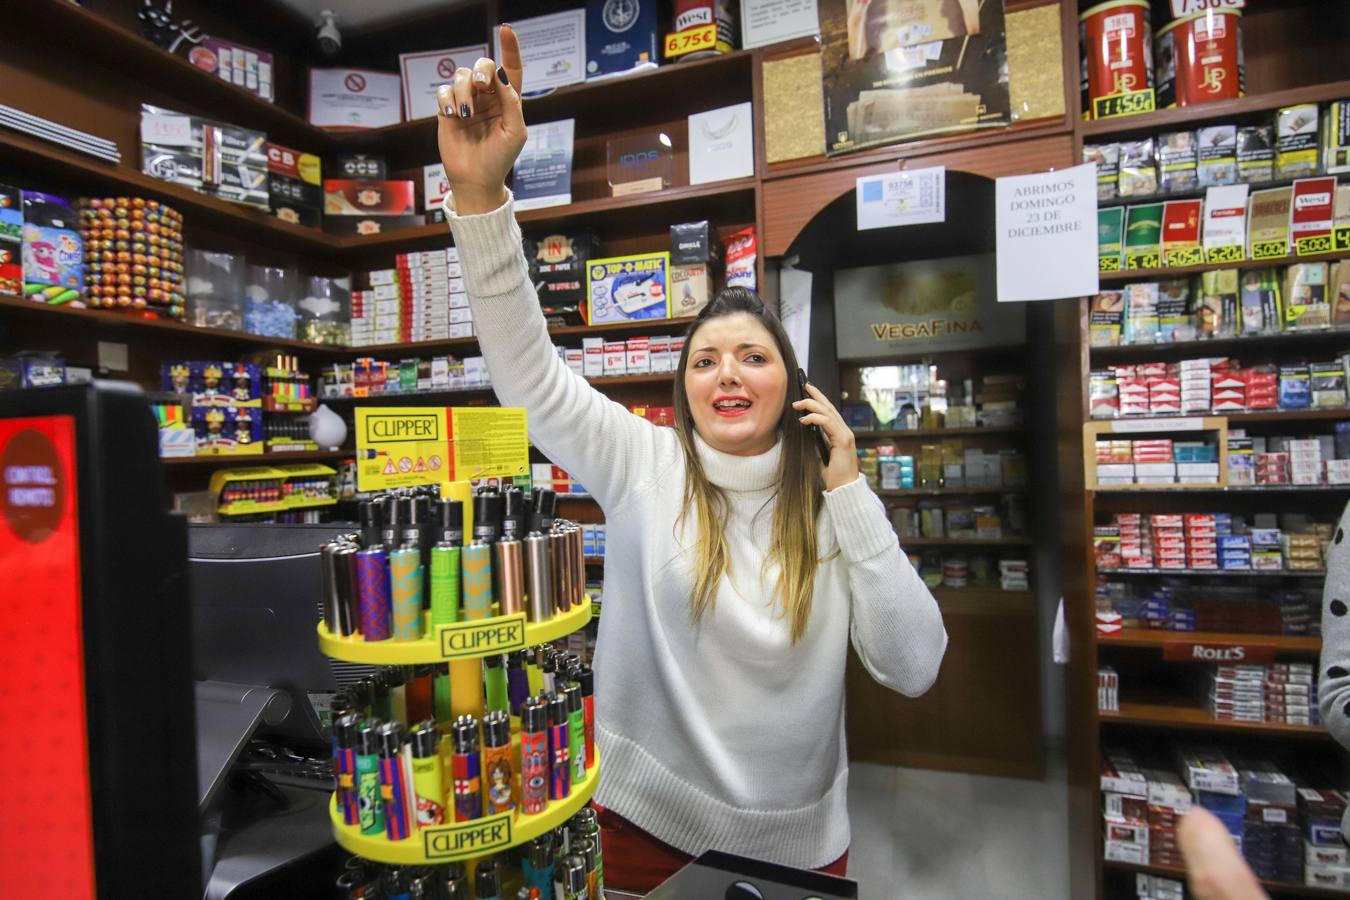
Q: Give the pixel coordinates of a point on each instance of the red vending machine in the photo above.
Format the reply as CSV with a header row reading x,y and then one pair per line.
x,y
98,743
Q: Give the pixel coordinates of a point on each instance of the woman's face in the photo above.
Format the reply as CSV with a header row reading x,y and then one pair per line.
x,y
736,383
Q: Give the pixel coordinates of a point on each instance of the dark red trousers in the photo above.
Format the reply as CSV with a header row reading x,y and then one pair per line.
x,y
636,861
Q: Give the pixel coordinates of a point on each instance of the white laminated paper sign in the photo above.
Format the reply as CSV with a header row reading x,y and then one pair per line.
x,y
902,198
424,72
542,175
1225,222
1046,233
771,21
552,50
354,98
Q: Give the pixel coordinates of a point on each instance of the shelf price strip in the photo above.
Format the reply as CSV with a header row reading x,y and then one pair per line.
x,y
1127,104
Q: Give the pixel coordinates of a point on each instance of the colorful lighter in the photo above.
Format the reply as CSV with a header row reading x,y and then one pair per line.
x,y
494,682
440,694
534,756
487,517
344,766
498,785
576,731
558,749
466,766
548,663
485,881
394,787
368,778
537,865
476,580
444,584
533,674
508,572
380,706
426,768
517,683
538,578
585,848
372,588
586,678
419,693
574,879
405,571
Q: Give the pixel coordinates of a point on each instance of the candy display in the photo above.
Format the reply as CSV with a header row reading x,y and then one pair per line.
x,y
215,289
269,302
324,310
133,254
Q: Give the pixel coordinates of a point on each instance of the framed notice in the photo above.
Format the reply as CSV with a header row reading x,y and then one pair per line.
x,y
424,72
354,98
766,22
552,50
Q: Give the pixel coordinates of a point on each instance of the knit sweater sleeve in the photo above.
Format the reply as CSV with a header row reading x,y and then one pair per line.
x,y
896,626
1333,688
598,441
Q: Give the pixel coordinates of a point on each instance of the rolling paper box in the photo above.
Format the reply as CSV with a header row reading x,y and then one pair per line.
x,y
295,186
627,288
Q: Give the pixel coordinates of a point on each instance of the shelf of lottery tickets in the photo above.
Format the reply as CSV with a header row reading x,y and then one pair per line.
x,y
472,639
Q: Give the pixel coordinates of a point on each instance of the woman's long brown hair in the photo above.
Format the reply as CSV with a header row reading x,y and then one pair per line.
x,y
793,543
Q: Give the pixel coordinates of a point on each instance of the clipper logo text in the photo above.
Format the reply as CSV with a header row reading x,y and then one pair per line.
x,y
468,838
402,427
500,634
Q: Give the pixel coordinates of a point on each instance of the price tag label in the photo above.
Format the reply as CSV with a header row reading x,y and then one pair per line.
x,y
464,840
1340,239
499,634
1226,254
1270,250
679,43
1318,243
1143,261
1127,104
1108,264
1191,256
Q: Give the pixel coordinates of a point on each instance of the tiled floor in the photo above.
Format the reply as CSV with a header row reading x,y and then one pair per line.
x,y
925,835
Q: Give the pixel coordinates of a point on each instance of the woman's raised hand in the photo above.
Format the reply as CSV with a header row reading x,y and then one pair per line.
x,y
481,128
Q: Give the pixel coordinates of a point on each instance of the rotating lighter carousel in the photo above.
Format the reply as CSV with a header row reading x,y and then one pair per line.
x,y
472,750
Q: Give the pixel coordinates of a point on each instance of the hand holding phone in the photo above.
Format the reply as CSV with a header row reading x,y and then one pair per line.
x,y
821,444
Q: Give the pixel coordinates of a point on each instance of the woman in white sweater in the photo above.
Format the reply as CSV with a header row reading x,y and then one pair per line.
x,y
737,566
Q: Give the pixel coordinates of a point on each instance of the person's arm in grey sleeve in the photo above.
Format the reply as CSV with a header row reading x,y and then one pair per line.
x,y
1333,680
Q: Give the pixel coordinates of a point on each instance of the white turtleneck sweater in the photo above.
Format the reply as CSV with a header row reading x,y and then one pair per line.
x,y
726,735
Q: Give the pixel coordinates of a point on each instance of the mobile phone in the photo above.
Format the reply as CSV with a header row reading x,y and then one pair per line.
x,y
821,444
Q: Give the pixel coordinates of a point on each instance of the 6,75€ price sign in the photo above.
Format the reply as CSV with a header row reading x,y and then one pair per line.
x,y
703,37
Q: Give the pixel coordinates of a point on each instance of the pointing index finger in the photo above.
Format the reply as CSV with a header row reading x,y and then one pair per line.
x,y
510,61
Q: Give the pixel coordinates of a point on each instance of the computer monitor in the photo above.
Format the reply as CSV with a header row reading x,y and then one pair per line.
x,y
99,746
256,597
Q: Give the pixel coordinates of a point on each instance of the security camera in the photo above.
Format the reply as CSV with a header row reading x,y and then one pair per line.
x,y
330,39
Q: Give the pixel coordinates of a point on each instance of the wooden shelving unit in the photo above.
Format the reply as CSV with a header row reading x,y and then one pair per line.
x,y
1276,888
1285,67
261,459
948,491
932,434
1155,639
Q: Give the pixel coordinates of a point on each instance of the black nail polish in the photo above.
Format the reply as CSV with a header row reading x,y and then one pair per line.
x,y
464,111
501,76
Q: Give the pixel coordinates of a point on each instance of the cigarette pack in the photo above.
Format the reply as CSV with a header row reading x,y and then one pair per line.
x,y
1106,157
1177,160
1256,154
1217,150
615,358
593,352
1268,223
575,359
1206,769
660,353
1296,138
639,356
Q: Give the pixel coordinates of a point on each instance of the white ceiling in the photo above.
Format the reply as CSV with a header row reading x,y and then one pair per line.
x,y
360,13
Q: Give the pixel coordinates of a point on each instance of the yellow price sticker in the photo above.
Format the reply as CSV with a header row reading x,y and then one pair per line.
x,y
1108,264
1226,254
678,43
464,840
1143,261
1191,256
1127,104
479,637
1340,239
1270,249
1320,243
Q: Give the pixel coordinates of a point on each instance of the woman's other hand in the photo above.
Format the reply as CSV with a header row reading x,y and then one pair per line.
x,y
481,128
1214,866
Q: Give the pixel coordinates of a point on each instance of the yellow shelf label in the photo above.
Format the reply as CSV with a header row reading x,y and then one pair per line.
x,y
499,634
1340,239
678,43
1143,261
1127,104
1270,250
467,839
1108,264
1320,243
1191,256
1227,254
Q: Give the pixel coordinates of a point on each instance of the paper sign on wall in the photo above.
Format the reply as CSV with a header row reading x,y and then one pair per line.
x,y
766,22
902,198
1046,227
404,446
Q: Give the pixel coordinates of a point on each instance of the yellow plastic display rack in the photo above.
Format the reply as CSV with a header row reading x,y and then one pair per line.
x,y
463,840
461,640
